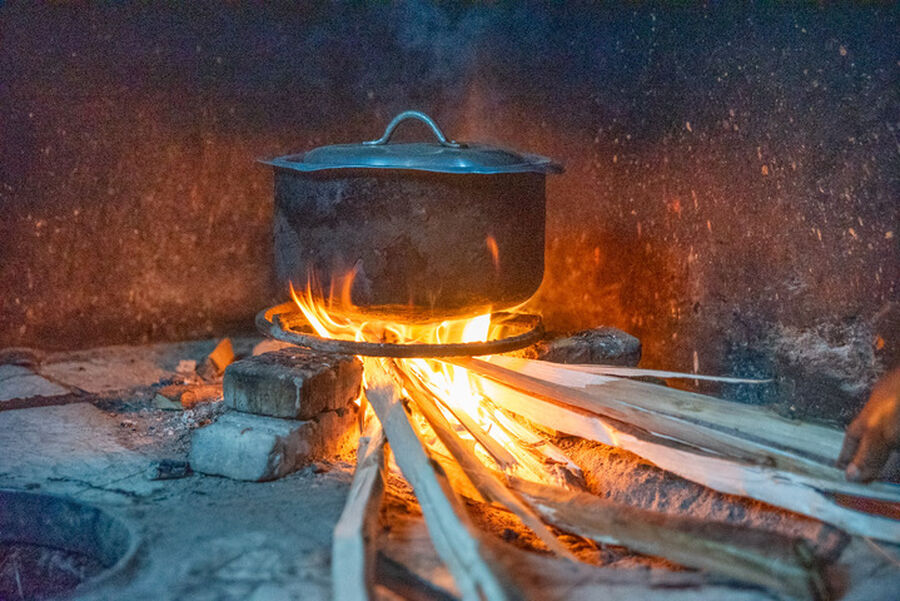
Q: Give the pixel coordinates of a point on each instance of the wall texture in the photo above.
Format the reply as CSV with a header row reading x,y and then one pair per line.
x,y
731,193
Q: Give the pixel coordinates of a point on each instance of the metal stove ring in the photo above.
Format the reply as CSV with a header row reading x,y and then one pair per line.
x,y
279,322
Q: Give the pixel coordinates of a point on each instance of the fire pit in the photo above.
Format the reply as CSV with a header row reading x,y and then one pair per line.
x,y
446,404
464,420
50,546
479,427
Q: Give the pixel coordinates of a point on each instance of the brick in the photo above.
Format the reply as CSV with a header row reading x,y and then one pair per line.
x,y
250,447
292,383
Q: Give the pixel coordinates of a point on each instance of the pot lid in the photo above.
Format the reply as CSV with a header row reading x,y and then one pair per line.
x,y
445,156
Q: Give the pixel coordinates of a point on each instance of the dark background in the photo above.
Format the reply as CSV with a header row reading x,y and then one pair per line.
x,y
731,194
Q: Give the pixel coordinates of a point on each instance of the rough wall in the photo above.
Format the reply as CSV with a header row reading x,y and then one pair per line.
x,y
731,194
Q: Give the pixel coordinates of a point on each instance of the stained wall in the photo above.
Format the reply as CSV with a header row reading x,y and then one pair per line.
x,y
731,193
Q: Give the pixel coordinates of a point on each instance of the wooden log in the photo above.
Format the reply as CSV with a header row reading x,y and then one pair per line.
x,y
528,456
818,443
612,401
777,487
732,430
772,561
634,372
490,487
454,536
353,544
177,397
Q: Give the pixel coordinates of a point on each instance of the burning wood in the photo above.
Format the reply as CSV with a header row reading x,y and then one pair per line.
x,y
454,536
753,556
791,470
484,419
353,545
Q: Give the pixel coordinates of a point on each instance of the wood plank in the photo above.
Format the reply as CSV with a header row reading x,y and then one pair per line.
x,y
777,487
775,562
634,372
353,544
455,537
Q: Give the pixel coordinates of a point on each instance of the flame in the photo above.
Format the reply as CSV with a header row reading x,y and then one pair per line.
x,y
500,442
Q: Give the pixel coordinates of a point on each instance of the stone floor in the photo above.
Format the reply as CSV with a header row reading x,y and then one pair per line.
x,y
83,425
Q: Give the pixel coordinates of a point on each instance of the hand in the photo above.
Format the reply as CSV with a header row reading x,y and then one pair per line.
x,y
875,432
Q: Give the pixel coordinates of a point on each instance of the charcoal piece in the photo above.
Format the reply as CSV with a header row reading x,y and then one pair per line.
x,y
603,345
170,469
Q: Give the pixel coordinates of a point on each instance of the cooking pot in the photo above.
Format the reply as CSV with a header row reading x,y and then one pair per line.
x,y
419,231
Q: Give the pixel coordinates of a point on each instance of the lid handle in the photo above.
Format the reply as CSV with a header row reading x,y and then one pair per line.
x,y
389,130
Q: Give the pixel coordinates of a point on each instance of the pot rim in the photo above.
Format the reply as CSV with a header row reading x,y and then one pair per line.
x,y
442,156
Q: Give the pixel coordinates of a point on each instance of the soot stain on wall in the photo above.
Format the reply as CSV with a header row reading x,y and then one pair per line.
x,y
731,193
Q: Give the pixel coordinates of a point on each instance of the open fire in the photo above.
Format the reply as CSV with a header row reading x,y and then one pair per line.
x,y
500,440
484,427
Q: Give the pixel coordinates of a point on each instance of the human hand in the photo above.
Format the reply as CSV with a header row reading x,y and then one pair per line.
x,y
875,432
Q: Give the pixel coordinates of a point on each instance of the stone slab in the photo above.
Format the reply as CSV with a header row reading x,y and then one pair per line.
x,y
107,372
242,446
70,449
292,383
19,382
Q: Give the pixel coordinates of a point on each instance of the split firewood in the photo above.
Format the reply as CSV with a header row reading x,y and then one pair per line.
x,y
177,397
516,449
780,564
815,443
490,487
215,363
353,544
645,406
455,538
405,583
736,431
781,488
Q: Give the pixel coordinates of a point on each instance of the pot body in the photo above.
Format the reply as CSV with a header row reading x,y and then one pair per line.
x,y
411,245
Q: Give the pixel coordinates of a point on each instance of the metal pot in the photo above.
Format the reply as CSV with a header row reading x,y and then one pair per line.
x,y
416,231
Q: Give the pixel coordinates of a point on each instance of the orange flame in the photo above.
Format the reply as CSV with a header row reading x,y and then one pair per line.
x,y
501,442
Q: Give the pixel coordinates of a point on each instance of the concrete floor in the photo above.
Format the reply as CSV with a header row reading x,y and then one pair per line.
x,y
208,538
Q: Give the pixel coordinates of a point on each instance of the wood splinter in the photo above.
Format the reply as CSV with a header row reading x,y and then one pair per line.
x,y
454,536
353,545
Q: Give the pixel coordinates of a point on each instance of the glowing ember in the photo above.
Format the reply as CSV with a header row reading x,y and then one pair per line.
x,y
501,441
